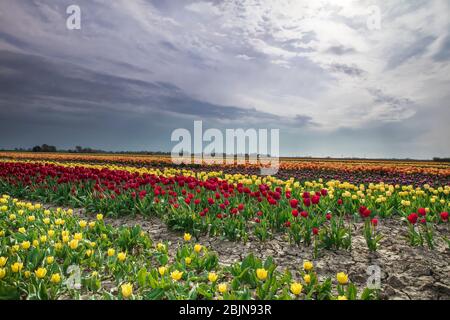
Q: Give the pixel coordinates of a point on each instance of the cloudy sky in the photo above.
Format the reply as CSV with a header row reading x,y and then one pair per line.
x,y
321,71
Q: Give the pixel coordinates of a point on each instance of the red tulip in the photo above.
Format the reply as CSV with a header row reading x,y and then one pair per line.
x,y
295,213
412,218
328,216
315,231
304,214
294,203
339,202
307,202
374,222
422,212
364,212
444,216
315,199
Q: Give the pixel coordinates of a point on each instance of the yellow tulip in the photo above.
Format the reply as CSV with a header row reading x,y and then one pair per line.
x,y
162,270
342,278
121,256
176,275
3,261
261,273
188,260
342,298
40,273
2,273
212,277
111,252
307,278
73,244
308,265
50,259
55,278
222,287
26,245
127,290
198,248
187,237
296,288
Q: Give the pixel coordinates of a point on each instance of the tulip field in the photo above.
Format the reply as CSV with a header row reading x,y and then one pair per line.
x,y
137,227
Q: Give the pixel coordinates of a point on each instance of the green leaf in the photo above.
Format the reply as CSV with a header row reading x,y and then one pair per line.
x,y
141,277
8,292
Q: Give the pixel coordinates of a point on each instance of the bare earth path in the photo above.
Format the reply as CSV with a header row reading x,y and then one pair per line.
x,y
406,272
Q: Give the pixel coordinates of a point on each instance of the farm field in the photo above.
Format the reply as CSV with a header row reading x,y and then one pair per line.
x,y
139,227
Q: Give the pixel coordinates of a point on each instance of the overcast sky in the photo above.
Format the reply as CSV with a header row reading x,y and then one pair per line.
x,y
138,69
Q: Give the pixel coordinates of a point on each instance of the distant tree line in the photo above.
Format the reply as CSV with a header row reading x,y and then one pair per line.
x,y
441,159
44,148
80,149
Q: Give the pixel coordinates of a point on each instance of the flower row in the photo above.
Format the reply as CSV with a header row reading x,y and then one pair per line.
x,y
234,207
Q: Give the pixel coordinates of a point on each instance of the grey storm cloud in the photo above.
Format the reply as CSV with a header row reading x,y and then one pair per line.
x,y
444,53
340,50
350,70
139,69
35,78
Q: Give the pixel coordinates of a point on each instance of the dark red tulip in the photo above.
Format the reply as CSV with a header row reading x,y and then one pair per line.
x,y
307,202
294,203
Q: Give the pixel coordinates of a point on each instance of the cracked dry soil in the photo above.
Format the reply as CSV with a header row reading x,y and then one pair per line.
x,y
406,272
